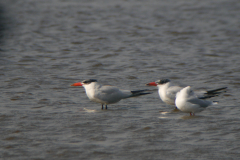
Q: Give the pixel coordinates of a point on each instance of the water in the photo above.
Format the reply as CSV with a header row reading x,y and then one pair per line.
x,y
48,45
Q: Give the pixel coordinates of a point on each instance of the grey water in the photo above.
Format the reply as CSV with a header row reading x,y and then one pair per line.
x,y
47,45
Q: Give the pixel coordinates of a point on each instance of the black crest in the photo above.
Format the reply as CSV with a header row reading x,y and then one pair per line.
x,y
162,81
88,81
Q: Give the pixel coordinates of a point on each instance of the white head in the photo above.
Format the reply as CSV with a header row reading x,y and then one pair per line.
x,y
186,92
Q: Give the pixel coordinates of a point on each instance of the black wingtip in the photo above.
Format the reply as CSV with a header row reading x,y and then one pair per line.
x,y
213,93
144,93
216,91
139,91
206,97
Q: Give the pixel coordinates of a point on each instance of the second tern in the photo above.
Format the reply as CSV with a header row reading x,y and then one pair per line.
x,y
187,101
167,91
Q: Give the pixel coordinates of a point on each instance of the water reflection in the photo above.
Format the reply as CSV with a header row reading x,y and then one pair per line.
x,y
190,117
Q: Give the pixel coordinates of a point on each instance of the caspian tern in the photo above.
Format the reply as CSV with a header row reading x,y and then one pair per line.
x,y
106,94
187,101
167,91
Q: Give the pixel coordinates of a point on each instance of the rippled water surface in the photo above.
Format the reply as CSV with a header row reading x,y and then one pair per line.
x,y
45,46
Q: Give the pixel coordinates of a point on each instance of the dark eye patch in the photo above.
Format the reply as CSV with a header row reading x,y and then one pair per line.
x,y
88,81
162,81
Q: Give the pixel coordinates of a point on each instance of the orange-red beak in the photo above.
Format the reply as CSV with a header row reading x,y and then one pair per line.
x,y
77,84
152,84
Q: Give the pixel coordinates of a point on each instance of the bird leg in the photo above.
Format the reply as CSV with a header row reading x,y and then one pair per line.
x,y
103,107
192,114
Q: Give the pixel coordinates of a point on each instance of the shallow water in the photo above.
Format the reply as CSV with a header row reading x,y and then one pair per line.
x,y
48,45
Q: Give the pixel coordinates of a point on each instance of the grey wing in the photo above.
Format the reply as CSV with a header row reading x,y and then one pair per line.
x,y
112,93
172,91
110,90
199,93
201,103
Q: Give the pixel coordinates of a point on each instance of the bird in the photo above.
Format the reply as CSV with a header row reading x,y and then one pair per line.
x,y
106,94
187,101
167,91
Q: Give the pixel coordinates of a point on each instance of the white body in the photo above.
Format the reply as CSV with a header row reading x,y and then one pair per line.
x,y
167,93
187,101
105,94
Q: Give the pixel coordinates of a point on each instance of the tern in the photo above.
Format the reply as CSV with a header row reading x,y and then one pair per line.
x,y
167,91
106,94
187,101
